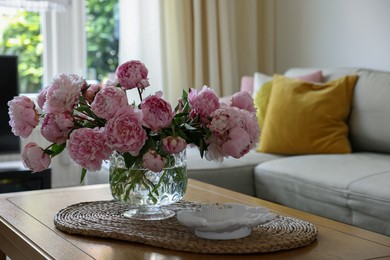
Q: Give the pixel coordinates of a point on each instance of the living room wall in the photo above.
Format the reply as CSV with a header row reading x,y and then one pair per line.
x,y
331,33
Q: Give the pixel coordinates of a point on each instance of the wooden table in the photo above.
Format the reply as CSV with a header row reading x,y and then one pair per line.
x,y
27,230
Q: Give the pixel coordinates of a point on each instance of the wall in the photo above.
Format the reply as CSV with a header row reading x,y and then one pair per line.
x,y
332,33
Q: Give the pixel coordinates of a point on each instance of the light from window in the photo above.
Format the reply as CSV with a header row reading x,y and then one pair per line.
x,y
21,36
102,28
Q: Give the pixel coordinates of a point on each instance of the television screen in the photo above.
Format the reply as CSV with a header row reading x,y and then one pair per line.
x,y
9,88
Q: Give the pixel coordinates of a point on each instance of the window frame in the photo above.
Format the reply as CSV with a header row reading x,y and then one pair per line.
x,y
64,41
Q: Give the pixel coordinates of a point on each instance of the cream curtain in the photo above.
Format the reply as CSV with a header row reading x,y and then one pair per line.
x,y
191,43
213,43
140,39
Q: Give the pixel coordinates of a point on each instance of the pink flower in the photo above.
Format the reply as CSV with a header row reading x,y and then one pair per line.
x,y
108,101
124,131
88,148
180,106
35,158
223,119
153,161
238,143
250,124
56,127
234,132
173,144
23,116
63,93
91,91
41,98
214,151
204,103
243,100
112,81
157,113
133,74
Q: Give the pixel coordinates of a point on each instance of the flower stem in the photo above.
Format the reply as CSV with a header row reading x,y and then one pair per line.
x,y
140,93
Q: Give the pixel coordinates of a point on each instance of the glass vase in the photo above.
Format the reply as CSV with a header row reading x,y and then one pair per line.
x,y
146,191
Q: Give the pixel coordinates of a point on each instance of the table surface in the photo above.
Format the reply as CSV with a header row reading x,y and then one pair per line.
x,y
27,230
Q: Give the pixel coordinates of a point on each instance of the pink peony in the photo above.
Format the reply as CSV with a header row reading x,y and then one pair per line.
x,y
173,144
41,98
250,124
23,116
243,100
63,93
223,119
180,106
157,113
108,101
133,74
214,150
35,158
87,147
153,161
56,127
234,132
203,103
124,131
111,82
238,143
90,92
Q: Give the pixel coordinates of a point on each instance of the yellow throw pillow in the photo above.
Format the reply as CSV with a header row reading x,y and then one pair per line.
x,y
307,118
261,102
262,95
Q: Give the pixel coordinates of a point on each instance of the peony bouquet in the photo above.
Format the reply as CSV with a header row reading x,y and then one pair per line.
x,y
94,120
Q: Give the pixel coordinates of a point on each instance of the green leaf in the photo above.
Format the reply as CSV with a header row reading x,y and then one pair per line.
x,y
129,159
83,108
83,173
55,149
189,127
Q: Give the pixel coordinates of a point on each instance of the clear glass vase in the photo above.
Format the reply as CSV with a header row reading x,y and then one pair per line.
x,y
146,191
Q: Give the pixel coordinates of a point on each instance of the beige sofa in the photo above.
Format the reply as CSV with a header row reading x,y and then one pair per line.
x,y
352,188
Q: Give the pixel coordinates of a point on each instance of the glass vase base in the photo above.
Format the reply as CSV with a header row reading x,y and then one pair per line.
x,y
155,214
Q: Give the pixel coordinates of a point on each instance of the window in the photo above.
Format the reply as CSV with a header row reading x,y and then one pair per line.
x,y
102,27
21,36
84,40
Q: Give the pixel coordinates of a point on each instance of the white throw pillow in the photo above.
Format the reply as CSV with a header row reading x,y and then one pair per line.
x,y
258,80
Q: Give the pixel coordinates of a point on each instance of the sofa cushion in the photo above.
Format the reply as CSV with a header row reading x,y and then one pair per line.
x,y
258,80
233,174
369,124
336,186
262,96
261,101
328,74
369,200
307,118
370,116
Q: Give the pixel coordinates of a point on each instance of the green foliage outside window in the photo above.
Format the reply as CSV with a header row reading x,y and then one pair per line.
x,y
102,33
22,37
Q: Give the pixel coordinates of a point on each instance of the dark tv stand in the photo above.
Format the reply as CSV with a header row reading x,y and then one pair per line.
x,y
14,177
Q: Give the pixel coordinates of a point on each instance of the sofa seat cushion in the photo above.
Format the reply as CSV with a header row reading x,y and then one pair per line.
x,y
326,185
233,174
369,200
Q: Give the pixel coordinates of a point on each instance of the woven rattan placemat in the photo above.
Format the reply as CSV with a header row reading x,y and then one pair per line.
x,y
104,219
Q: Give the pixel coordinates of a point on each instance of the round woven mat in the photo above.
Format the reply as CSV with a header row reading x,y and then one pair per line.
x,y
104,219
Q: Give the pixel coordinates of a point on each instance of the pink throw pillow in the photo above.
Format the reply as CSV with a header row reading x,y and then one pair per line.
x,y
312,77
247,84
247,81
